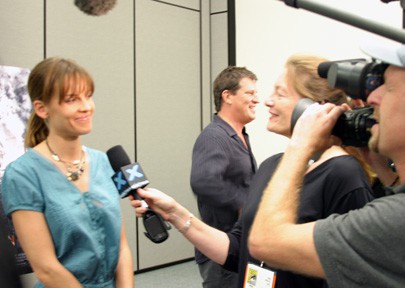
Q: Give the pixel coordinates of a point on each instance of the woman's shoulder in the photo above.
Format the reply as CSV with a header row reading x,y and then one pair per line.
x,y
271,161
24,161
343,169
95,153
344,163
98,159
267,167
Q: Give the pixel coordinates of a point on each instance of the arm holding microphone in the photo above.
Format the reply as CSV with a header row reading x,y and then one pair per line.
x,y
210,241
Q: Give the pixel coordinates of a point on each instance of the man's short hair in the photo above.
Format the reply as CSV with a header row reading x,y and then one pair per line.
x,y
229,79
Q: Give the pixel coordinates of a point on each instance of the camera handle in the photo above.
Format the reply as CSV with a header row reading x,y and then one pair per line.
x,y
351,19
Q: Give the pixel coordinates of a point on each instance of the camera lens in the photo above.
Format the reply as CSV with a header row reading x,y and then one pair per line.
x,y
349,77
357,77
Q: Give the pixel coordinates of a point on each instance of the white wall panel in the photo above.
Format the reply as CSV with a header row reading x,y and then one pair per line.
x,y
192,4
219,40
167,110
219,6
207,102
21,24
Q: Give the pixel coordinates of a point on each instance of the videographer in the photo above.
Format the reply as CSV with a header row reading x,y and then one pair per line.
x,y
363,248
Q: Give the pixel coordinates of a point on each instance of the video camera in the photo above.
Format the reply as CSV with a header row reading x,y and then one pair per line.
x,y
358,78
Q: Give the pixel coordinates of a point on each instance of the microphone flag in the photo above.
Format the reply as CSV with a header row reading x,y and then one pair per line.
x,y
128,178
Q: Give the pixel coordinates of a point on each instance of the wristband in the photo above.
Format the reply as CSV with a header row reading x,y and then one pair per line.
x,y
186,225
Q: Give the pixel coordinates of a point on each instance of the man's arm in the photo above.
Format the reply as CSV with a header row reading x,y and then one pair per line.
x,y
275,237
209,164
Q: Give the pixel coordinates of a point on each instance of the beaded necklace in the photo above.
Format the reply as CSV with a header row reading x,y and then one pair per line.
x,y
74,169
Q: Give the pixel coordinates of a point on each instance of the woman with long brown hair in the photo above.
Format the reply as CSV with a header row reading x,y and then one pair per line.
x,y
59,193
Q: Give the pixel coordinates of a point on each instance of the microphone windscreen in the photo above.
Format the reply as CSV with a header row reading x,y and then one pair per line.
x,y
118,157
95,7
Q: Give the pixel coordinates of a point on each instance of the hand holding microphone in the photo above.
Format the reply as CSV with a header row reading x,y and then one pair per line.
x,y
155,199
165,205
127,178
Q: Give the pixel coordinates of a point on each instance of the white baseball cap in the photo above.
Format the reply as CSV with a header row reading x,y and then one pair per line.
x,y
391,53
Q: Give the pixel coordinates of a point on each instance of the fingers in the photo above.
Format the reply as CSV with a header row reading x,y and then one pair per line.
x,y
335,141
140,211
155,199
358,103
325,114
148,195
140,207
313,129
337,111
141,192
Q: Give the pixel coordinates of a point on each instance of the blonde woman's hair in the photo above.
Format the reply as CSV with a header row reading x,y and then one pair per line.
x,y
302,75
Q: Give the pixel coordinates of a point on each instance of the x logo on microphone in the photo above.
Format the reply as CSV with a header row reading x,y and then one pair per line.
x,y
133,173
119,181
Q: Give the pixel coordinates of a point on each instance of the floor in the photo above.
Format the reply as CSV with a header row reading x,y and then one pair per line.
x,y
177,276
183,275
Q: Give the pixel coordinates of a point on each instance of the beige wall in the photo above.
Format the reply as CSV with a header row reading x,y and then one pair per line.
x,y
153,63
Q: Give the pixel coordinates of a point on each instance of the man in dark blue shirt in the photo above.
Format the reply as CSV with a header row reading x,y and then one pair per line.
x,y
223,163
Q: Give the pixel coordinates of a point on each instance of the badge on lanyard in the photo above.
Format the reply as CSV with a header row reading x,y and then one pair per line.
x,y
259,277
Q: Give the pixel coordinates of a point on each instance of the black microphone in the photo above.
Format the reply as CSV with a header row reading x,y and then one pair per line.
x,y
127,178
95,7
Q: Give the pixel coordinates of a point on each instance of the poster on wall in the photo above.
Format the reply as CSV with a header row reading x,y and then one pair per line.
x,y
15,109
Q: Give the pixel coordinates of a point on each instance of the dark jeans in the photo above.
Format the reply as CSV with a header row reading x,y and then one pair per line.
x,y
214,276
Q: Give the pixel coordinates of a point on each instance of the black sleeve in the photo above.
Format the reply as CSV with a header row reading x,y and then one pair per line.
x,y
348,187
379,190
232,261
353,200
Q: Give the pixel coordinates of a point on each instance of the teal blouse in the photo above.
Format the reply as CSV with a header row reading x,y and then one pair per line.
x,y
85,227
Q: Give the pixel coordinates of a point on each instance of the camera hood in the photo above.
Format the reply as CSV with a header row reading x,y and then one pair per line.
x,y
299,108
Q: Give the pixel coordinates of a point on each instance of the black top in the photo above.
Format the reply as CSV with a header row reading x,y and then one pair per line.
x,y
222,169
335,186
8,268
